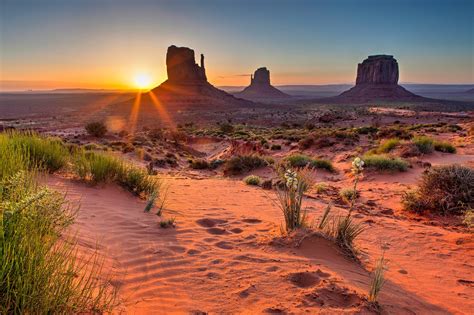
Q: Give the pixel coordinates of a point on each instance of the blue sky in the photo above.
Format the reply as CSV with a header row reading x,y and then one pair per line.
x,y
103,43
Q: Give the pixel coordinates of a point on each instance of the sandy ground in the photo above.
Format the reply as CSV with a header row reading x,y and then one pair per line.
x,y
222,256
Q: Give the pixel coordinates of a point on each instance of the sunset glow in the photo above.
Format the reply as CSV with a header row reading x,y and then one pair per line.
x,y
142,81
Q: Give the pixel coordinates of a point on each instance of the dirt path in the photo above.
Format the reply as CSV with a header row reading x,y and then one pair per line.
x,y
218,258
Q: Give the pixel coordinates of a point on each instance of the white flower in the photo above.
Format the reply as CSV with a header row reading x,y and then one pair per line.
x,y
291,179
357,165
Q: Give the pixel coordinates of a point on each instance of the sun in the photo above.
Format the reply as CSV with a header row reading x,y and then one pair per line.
x,y
142,81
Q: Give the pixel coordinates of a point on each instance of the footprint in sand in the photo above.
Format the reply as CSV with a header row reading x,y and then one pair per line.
x,y
252,220
307,279
224,245
216,231
208,222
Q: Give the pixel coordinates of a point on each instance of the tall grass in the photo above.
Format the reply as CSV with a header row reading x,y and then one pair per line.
x,y
291,197
39,272
385,163
377,280
28,150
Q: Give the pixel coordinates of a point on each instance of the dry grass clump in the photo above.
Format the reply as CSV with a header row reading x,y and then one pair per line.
x,y
388,145
243,163
444,190
348,194
424,144
252,180
378,280
199,164
96,129
443,146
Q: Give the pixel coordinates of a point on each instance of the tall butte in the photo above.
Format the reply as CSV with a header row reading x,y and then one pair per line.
x,y
260,87
377,80
187,81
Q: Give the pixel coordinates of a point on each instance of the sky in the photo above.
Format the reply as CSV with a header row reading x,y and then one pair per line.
x,y
48,44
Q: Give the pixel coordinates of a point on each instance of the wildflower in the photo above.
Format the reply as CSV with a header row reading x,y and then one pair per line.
x,y
357,165
291,179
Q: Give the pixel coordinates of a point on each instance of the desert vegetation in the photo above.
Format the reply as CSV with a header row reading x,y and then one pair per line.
x,y
40,272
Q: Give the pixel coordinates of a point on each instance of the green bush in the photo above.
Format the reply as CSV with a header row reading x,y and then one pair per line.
x,y
301,160
424,144
243,163
388,145
445,147
443,189
96,129
253,180
298,160
385,163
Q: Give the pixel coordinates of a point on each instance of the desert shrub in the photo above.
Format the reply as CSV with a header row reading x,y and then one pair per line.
x,y
298,160
137,181
469,218
301,160
275,147
385,163
291,197
408,150
226,128
321,164
443,189
176,136
348,194
394,132
216,163
253,180
96,129
320,188
366,130
243,163
424,144
199,164
388,145
445,147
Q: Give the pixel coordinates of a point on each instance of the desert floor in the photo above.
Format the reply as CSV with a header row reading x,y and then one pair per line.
x,y
225,254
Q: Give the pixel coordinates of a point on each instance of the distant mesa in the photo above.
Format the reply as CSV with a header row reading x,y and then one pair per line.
x,y
377,80
187,81
471,91
260,87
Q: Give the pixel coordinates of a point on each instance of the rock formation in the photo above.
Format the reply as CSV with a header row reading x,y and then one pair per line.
x,y
377,80
187,81
260,87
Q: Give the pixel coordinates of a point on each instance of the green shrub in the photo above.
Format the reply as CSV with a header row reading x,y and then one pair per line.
x,y
348,194
253,180
243,163
385,163
96,129
388,145
443,189
444,147
424,144
301,160
322,164
298,160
